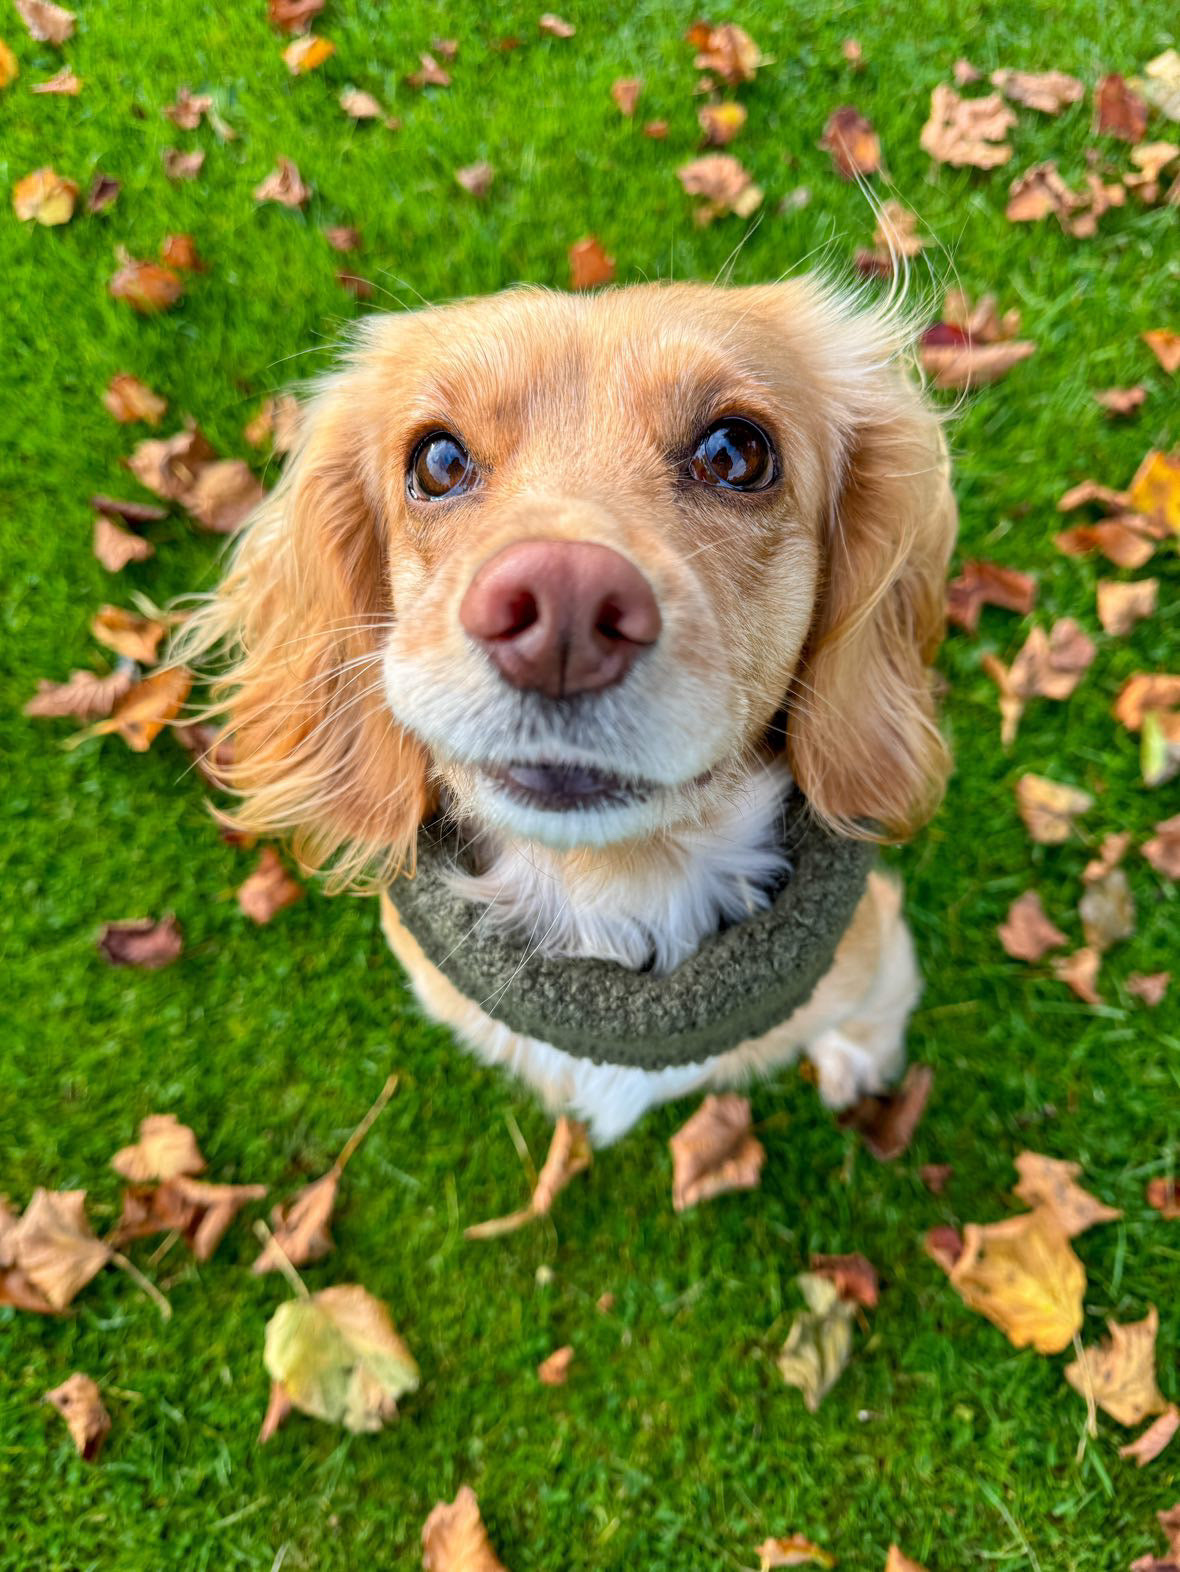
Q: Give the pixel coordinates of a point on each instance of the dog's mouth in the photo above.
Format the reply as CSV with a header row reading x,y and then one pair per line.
x,y
565,788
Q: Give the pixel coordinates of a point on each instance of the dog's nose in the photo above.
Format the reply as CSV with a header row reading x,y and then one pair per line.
x,y
561,616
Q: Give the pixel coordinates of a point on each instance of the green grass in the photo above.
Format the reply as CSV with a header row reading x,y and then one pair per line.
x,y
675,1445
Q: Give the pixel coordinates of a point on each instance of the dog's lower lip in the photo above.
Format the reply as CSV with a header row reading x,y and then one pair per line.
x,y
562,787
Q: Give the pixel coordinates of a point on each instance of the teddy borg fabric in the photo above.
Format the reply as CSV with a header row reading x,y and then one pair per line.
x,y
741,982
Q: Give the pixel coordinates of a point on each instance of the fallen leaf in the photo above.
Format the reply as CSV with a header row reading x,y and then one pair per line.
x,y
211,751
85,696
794,1551
142,713
142,942
1023,1275
1121,401
855,1277
556,26
338,1357
1160,83
569,1154
625,93
170,466
127,633
1150,987
1027,934
1079,972
223,495
429,74
853,144
47,23
896,233
898,1561
55,1247
728,51
1121,1373
1118,110
1051,1182
103,191
128,399
967,131
477,179
1150,160
359,105
1163,849
1107,910
715,1152
1164,1196
44,197
555,1370
9,66
1112,851
189,109
1147,1446
284,185
145,286
819,1343
131,512
726,186
1143,692
721,122
165,1149
64,82
1049,665
180,251
944,1246
455,1540
1121,606
17,1290
1041,192
972,365
362,288
1155,488
307,53
179,165
851,51
656,130
79,1402
1159,747
269,890
936,1176
213,1209
1048,91
987,584
277,422
887,1124
1087,491
293,16
1121,541
1049,808
589,264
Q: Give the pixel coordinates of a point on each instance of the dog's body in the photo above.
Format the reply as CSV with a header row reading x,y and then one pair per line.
x,y
573,568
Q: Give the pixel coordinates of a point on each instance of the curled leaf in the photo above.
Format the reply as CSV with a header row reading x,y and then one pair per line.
x,y
143,712
555,1370
44,197
1049,808
142,942
715,1152
79,1402
569,1154
967,131
55,1247
455,1540
165,1148
819,1343
1023,1275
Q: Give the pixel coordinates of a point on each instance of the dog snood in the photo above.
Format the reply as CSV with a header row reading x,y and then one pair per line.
x,y
740,983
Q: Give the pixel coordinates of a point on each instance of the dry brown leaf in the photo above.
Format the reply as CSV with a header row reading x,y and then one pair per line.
x,y
853,144
306,53
625,93
793,1551
44,197
128,399
293,16
360,105
1118,110
55,1247
1164,344
1087,491
1048,91
1047,666
936,1176
455,1540
721,122
967,131
944,1246
555,1370
17,1290
356,285
1155,487
1121,401
896,233
131,512
284,185
128,634
1143,692
1023,1275
47,23
656,130
987,584
64,83
1150,986
898,1561
476,178
715,1152
556,26
165,1149
1121,606
1123,541
1107,910
1051,1182
429,74
855,1277
1147,1447
142,942
79,1402
969,364
728,51
1163,849
269,890
223,495
180,251
1112,851
300,1229
1160,83
84,697
214,1208
1150,160
851,51
277,422
1164,1196
726,186
169,466
103,191
142,713
1120,1375
887,1124
278,1410
145,286
569,1154
1027,934
210,748
9,66
1079,972
1049,808
153,1209
179,165
187,112
819,1342
589,264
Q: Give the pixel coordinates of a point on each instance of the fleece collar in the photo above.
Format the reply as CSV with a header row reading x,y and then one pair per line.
x,y
740,983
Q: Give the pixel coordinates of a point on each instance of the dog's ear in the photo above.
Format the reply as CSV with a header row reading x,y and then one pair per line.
x,y
299,619
863,739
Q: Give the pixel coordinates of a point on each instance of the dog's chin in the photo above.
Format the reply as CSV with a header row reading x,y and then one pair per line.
x,y
567,805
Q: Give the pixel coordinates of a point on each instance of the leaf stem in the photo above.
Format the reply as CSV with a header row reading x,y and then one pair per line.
x,y
142,1282
366,1124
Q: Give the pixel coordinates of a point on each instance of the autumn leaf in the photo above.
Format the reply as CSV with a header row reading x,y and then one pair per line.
x,y
1118,110
569,1154
728,51
887,1123
455,1540
721,122
589,264
1107,910
1048,91
165,1148
284,185
63,83
223,495
1121,401
293,16
79,1402
855,1277
189,109
1150,160
555,26
853,144
1160,83
180,251
1023,1275
179,165
1049,665
44,197
715,1152
145,286
793,1551
142,942
338,1357
555,1370
85,696
1120,1375
1051,1182
726,186
269,890
429,74
47,23
963,363
477,179
936,1176
1079,972
169,466
1121,606
967,131
307,53
988,584
1150,987
1027,933
1144,692
1155,488
944,1246
1049,808
130,512
142,713
277,421
128,399
819,1342
9,66
1163,849
359,105
1147,1446
625,92
211,1209
55,1247
127,633
898,1561
1122,541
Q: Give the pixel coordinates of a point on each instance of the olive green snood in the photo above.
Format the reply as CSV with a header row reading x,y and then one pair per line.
x,y
740,983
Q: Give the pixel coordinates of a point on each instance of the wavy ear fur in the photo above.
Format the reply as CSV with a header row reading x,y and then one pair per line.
x,y
299,619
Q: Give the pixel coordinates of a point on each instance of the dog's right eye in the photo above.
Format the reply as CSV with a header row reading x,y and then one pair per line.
x,y
440,466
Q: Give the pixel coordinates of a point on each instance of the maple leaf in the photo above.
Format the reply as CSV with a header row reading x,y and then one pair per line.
x,y
284,185
728,51
1120,1375
79,1402
1121,401
145,286
142,942
269,890
987,584
1150,987
555,1370
1147,1446
625,92
967,131
338,1357
55,1247
1049,808
819,1342
887,1123
855,1277
128,399
44,197
569,1154
1027,933
853,144
1163,849
1118,110
715,1152
145,709
454,1538
1051,1182
85,696
1048,91
589,264
793,1551
47,23
1023,1275
307,53
1121,606
721,122
725,185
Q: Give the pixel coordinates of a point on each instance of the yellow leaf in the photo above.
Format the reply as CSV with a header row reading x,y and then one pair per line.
x,y
1024,1276
1050,1182
9,65
44,196
141,716
1121,1374
1155,490
819,1343
305,54
165,1148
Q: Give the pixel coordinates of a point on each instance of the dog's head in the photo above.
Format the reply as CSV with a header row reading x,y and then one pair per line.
x,y
577,559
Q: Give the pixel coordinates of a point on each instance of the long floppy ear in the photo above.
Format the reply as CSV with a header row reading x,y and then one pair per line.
x,y
299,619
863,738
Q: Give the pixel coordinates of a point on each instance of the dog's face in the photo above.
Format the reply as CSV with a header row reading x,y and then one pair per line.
x,y
570,556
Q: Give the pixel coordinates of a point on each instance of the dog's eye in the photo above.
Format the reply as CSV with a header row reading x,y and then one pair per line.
x,y
735,454
440,467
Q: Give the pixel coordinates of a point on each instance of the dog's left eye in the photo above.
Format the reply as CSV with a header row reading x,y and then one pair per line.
x,y
440,466
734,454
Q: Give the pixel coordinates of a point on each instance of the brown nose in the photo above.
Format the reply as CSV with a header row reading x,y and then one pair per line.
x,y
561,616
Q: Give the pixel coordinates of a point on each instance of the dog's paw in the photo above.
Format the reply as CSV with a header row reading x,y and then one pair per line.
x,y
847,1070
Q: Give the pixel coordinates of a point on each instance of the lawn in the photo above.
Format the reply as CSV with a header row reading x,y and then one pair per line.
x,y
675,1444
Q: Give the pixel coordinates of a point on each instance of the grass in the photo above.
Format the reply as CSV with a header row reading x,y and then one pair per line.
x,y
675,1445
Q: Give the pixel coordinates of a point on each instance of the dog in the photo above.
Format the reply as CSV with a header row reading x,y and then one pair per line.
x,y
601,578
